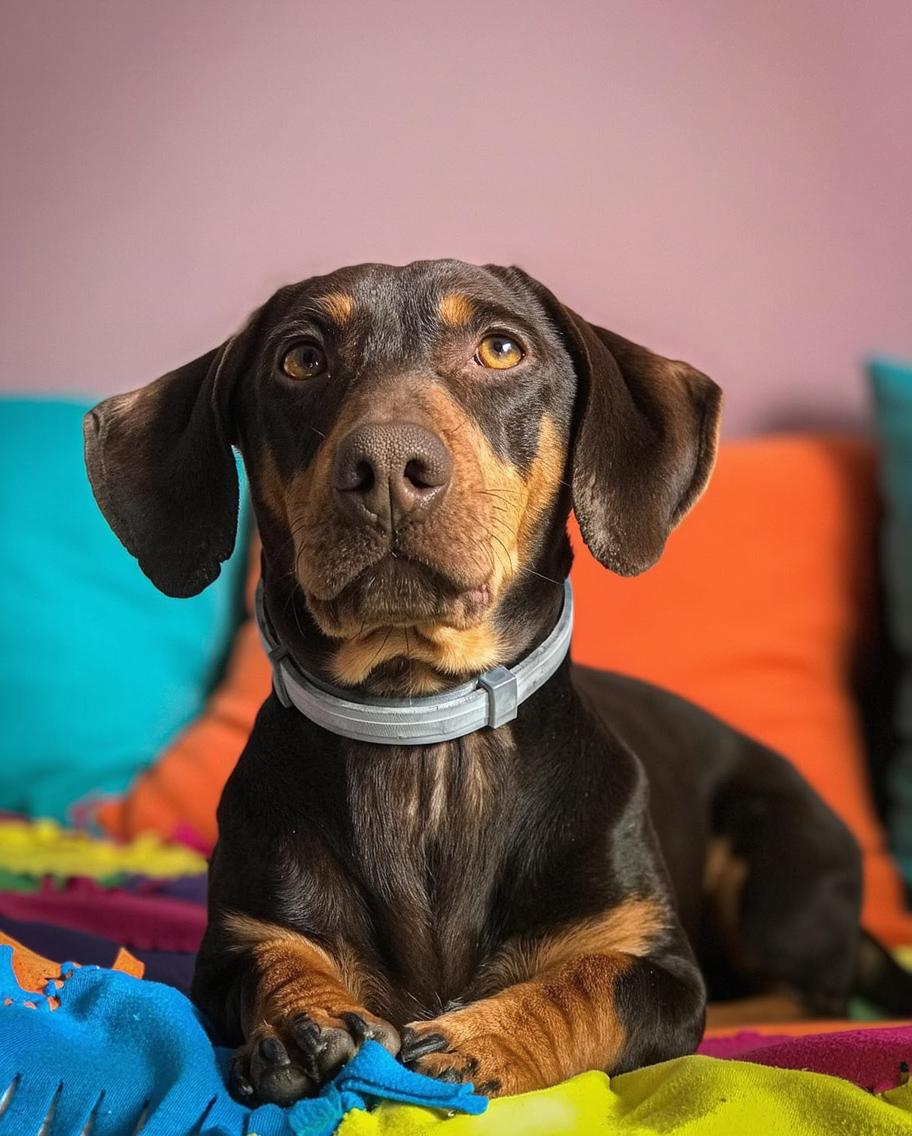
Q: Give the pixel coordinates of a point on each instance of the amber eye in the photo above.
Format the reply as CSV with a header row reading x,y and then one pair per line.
x,y
499,352
304,361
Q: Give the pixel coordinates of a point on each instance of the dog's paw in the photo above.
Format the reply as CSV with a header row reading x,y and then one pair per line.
x,y
282,1062
458,1051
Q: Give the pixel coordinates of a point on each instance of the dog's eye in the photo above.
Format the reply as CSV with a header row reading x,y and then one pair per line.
x,y
499,352
304,361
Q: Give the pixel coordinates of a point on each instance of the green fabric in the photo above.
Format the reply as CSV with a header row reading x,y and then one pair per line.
x,y
892,386
99,670
18,881
692,1096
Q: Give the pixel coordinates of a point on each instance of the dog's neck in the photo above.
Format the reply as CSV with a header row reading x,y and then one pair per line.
x,y
491,700
530,628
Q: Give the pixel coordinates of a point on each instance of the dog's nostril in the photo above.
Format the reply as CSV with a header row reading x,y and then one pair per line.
x,y
385,471
364,477
416,473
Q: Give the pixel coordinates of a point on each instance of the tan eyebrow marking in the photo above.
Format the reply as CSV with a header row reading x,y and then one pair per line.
x,y
338,306
455,309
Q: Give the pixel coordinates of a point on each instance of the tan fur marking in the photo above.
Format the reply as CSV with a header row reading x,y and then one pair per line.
x,y
630,928
339,306
539,1032
271,487
296,977
446,649
555,983
280,950
541,484
724,877
455,309
514,504
306,496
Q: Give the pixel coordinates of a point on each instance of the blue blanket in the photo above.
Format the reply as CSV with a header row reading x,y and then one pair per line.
x,y
118,1047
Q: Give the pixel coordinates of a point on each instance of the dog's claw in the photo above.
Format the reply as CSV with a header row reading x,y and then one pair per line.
x,y
238,1081
451,1076
273,1052
358,1027
417,1045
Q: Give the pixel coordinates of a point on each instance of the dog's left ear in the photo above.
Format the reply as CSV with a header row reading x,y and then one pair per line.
x,y
163,471
646,438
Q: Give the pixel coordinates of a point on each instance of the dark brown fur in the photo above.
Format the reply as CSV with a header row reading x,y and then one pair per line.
x,y
498,906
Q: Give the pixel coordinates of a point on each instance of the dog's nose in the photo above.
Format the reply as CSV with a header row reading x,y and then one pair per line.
x,y
390,470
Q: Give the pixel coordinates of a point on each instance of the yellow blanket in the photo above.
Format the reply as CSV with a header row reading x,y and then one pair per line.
x,y
691,1096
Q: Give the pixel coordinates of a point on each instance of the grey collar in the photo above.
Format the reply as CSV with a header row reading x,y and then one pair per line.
x,y
491,700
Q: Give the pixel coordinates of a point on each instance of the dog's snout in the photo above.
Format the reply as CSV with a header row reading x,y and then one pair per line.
x,y
390,470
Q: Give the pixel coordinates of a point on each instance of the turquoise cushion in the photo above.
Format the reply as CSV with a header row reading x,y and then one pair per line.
x,y
98,670
892,383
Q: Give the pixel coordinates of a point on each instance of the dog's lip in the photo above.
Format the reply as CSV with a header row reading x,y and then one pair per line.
x,y
455,603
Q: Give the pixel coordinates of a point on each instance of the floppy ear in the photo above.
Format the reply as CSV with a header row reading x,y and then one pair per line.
x,y
646,439
164,475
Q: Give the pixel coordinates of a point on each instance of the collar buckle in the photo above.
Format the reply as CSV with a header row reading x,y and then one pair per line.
x,y
503,695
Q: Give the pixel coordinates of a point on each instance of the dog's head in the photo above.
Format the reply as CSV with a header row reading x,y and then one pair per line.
x,y
414,439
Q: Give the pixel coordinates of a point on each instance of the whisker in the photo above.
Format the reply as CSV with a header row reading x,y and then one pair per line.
x,y
541,576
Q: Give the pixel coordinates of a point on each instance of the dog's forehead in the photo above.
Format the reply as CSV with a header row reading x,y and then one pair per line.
x,y
414,295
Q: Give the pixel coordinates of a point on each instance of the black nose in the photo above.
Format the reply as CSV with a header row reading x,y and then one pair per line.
x,y
390,470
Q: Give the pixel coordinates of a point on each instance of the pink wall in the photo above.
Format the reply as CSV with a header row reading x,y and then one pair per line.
x,y
727,181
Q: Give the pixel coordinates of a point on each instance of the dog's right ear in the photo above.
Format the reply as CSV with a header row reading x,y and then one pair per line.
x,y
163,471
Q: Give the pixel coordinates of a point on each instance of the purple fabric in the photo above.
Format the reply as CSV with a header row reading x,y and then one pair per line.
x,y
875,1058
62,944
144,921
191,889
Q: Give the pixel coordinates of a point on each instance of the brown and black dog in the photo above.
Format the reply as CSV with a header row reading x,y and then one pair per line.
x,y
526,902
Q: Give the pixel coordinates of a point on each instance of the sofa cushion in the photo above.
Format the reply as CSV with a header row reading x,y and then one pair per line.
x,y
99,671
757,611
892,386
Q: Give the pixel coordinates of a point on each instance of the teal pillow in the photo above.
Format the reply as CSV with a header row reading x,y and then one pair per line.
x,y
892,385
98,669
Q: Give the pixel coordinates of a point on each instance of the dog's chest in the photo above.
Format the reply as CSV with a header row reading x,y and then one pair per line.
x,y
430,831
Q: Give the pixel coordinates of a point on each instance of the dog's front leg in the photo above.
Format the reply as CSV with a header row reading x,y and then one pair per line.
x,y
302,1012
610,1011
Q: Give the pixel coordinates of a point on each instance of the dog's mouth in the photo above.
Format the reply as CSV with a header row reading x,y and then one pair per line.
x,y
400,592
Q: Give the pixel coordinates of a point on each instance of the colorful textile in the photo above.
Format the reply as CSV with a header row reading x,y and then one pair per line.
x,y
33,971
39,848
692,1096
875,1059
116,1045
174,968
144,921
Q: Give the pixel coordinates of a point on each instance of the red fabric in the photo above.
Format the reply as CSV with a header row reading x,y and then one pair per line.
x,y
875,1059
140,921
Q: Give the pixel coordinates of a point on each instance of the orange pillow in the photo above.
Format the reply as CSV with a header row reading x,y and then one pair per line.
x,y
755,611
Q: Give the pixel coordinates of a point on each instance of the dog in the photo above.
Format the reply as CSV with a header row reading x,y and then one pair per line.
x,y
529,899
